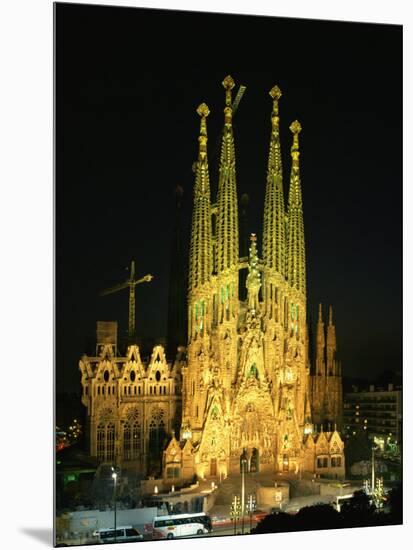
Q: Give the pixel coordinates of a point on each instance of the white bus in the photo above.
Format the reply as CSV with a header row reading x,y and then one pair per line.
x,y
181,525
125,533
340,500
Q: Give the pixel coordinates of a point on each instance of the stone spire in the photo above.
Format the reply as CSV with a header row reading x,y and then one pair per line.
x,y
273,242
200,254
320,344
296,245
331,344
227,207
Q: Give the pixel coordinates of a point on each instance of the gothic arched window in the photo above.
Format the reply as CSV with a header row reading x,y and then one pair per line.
x,y
110,442
156,432
101,442
127,441
136,440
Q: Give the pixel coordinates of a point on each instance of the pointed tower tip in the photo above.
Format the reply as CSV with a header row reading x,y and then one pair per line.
x,y
275,93
330,315
228,82
203,110
320,312
295,127
295,152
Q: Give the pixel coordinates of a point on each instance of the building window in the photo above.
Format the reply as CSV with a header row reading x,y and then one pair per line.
x,y
136,440
110,442
333,462
127,441
101,442
172,473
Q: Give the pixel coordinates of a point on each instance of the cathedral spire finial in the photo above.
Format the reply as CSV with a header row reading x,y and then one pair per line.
x,y
275,93
295,149
203,112
228,84
330,315
320,312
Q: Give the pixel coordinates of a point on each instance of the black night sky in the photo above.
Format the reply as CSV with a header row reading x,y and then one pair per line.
x,y
128,82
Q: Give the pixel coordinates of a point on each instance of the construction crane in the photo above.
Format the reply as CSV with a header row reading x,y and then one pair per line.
x,y
131,284
238,98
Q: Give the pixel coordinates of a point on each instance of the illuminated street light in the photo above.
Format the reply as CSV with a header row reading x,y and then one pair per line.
x,y
115,472
235,511
251,506
243,463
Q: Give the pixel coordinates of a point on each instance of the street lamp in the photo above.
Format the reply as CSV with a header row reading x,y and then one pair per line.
x,y
243,462
115,472
251,506
235,511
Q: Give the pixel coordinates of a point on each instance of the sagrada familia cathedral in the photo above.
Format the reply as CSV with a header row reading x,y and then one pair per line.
x,y
243,389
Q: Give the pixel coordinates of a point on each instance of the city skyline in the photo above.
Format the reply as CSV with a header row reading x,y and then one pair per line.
x,y
117,129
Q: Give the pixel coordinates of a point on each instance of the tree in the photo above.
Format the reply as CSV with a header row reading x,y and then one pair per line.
x,y
275,523
359,511
319,516
395,500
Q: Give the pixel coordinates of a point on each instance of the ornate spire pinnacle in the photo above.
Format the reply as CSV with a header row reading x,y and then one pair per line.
x,y
320,344
274,211
228,84
227,245
331,344
296,244
295,129
200,262
275,93
203,112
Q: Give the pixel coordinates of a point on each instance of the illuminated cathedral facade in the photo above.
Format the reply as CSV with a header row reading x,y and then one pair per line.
x,y
248,396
